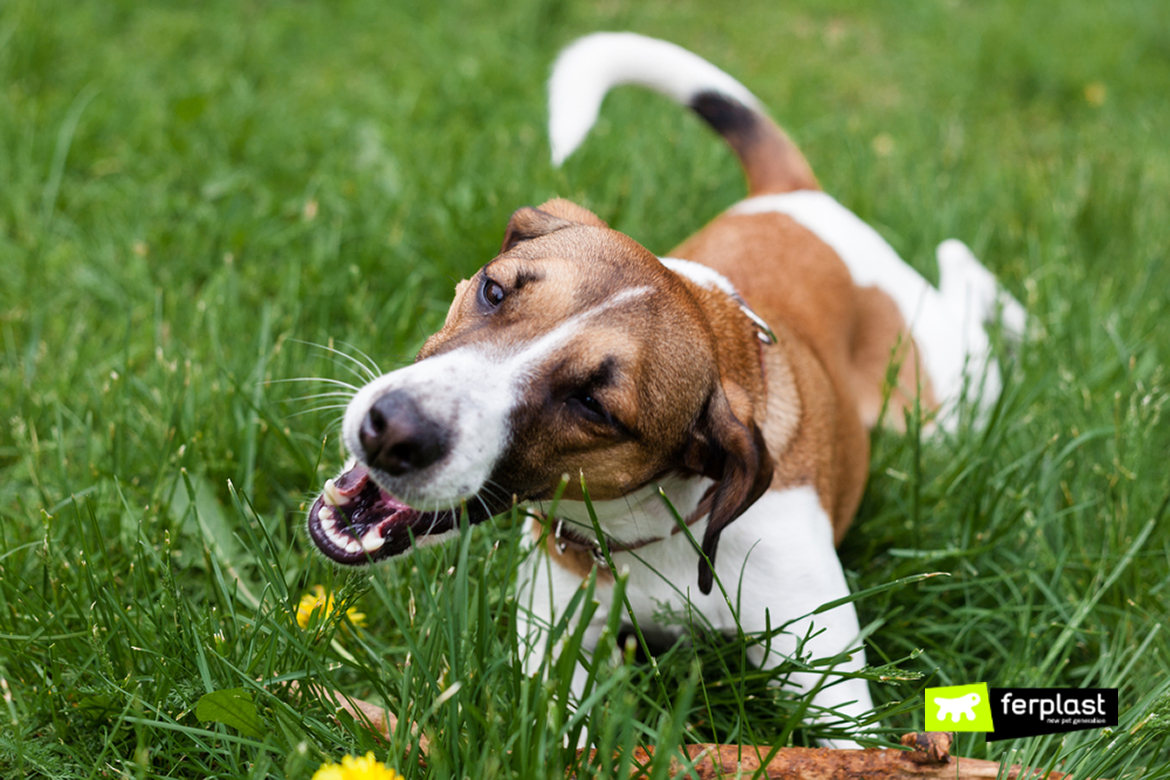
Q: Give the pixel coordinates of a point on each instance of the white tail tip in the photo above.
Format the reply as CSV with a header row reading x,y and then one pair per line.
x,y
589,67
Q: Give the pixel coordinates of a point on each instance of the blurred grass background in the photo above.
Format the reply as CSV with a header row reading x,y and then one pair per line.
x,y
193,196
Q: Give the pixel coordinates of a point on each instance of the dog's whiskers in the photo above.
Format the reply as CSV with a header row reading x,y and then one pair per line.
x,y
315,396
365,369
370,366
334,422
492,489
322,379
343,392
483,503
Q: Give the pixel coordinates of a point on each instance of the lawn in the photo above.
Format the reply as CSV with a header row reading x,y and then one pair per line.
x,y
217,218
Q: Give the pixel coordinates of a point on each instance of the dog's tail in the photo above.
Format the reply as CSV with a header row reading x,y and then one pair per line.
x,y
593,65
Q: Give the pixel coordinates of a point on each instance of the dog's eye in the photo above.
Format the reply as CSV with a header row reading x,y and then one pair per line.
x,y
590,406
492,292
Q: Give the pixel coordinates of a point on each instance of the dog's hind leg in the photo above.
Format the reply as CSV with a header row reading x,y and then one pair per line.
x,y
967,284
974,296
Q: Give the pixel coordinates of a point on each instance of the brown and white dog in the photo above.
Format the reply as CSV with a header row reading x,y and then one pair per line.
x,y
578,352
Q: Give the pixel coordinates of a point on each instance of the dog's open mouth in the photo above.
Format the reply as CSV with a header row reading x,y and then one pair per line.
x,y
355,522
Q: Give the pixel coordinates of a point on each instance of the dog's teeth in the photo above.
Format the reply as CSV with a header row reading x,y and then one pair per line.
x,y
326,514
332,496
329,493
373,540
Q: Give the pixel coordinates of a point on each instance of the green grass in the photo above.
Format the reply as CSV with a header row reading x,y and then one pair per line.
x,y
193,197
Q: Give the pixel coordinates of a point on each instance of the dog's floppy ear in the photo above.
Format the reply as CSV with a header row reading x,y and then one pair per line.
x,y
567,209
736,456
528,223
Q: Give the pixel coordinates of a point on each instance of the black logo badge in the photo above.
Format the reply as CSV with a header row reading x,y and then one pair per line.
x,y
1030,712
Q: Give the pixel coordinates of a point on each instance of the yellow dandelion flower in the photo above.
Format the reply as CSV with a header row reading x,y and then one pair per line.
x,y
355,768
883,145
321,603
1095,93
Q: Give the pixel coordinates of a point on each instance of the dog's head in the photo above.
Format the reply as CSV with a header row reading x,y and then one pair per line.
x,y
575,351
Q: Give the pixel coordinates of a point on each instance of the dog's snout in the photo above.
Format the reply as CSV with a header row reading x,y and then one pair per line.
x,y
398,438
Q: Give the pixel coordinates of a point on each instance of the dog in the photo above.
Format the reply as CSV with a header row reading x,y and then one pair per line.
x,y
737,378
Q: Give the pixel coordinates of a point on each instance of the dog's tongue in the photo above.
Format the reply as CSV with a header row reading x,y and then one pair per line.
x,y
355,522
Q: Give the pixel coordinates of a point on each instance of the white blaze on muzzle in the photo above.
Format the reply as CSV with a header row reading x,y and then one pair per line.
x,y
471,392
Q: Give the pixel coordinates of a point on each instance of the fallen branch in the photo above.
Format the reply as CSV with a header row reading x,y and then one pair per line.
x,y
374,717
928,756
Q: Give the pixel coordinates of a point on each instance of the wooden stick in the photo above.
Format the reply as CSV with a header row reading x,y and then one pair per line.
x,y
929,756
930,759
373,716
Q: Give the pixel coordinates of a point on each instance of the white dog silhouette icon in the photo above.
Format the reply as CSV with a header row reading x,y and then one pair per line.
x,y
963,706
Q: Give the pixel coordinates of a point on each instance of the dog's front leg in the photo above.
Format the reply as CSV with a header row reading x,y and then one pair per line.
x,y
545,592
778,565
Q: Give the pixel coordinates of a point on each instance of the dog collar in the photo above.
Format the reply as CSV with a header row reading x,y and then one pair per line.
x,y
567,538
763,330
705,276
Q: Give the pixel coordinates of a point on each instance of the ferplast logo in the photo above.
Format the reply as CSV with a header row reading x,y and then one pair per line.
x,y
1030,712
959,708
1009,713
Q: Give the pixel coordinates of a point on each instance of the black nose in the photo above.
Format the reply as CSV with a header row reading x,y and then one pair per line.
x,y
398,438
